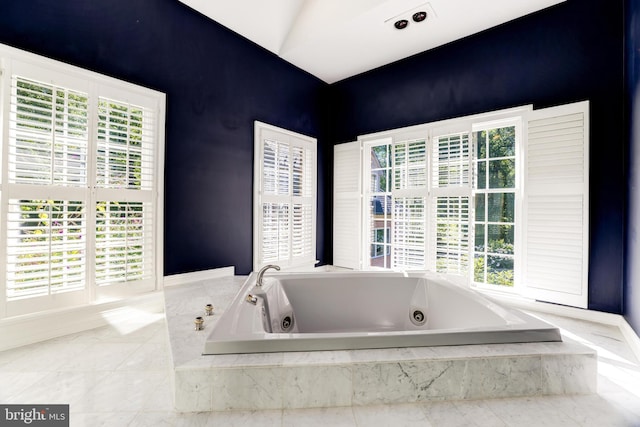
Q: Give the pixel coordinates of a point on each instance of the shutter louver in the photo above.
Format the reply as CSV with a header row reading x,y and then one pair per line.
x,y
124,149
409,226
286,197
557,219
410,165
451,160
48,130
451,189
301,234
301,212
123,242
275,240
555,151
46,247
409,209
452,234
125,183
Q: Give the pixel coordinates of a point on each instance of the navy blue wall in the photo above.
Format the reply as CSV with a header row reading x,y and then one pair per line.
x,y
632,289
217,83
570,52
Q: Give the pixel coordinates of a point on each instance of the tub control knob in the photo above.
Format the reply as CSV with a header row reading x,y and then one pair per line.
x,y
199,323
208,310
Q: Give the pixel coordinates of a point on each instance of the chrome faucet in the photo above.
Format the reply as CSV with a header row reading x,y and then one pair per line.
x,y
262,271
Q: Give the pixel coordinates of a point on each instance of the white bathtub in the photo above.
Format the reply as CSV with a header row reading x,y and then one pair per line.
x,y
341,311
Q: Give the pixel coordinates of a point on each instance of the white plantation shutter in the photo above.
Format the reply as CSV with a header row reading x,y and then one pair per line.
x,y
285,193
79,203
450,202
409,201
347,205
556,205
409,236
46,222
124,208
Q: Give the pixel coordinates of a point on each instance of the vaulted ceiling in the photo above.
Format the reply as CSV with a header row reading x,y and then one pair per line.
x,y
336,39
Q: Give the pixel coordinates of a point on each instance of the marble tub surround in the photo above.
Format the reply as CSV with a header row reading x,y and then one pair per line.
x,y
264,381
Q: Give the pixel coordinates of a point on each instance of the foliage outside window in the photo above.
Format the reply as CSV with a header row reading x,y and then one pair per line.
x,y
495,187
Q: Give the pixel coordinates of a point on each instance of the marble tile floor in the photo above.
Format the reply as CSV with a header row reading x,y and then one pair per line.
x,y
120,376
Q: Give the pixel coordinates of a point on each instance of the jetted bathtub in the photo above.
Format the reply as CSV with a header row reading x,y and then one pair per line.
x,y
358,310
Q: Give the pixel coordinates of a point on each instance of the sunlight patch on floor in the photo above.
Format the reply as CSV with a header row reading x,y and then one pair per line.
x,y
127,320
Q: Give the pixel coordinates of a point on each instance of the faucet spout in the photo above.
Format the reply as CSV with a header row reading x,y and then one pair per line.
x,y
263,270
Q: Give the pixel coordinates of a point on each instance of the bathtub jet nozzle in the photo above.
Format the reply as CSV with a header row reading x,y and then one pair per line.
x,y
418,316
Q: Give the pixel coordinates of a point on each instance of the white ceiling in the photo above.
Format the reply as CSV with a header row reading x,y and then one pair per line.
x,y
336,39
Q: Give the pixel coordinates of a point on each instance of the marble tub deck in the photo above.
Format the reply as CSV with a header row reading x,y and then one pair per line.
x,y
356,377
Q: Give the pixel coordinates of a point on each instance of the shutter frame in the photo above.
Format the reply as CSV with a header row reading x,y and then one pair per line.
x,y
450,199
556,201
347,205
287,201
409,195
71,169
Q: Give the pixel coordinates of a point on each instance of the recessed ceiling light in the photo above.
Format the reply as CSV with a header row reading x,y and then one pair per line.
x,y
419,16
401,24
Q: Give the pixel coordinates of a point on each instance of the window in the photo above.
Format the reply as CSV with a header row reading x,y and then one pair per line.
x,y
485,196
285,197
397,203
381,251
80,188
380,206
495,205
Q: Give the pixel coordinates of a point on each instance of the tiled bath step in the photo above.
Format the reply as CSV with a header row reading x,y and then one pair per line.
x,y
357,377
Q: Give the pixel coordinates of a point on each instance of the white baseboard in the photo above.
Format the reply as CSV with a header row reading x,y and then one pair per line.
x,y
610,319
28,329
630,335
197,276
